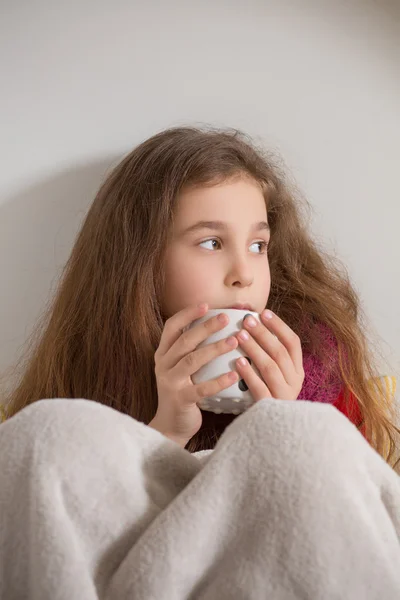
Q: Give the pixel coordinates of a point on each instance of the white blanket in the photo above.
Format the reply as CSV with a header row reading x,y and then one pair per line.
x,y
292,503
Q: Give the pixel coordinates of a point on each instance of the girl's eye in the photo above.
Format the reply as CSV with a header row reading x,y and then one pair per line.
x,y
263,245
210,242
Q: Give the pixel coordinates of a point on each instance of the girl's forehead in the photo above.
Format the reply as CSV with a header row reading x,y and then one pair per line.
x,y
224,200
223,208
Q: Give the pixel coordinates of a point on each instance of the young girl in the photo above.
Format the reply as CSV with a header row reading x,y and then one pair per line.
x,y
192,219
292,502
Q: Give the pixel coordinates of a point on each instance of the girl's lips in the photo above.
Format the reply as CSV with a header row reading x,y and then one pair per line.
x,y
239,306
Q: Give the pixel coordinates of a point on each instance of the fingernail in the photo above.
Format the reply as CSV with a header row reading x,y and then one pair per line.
x,y
243,335
202,306
250,321
221,317
231,341
267,314
242,362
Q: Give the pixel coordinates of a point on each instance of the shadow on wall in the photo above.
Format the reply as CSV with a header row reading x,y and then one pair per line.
x,y
37,231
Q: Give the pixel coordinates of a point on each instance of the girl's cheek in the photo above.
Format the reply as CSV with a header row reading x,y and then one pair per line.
x,y
198,283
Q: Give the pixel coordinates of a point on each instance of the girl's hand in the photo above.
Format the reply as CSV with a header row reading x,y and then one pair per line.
x,y
279,359
176,359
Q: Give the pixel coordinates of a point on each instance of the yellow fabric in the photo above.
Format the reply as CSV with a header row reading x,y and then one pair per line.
x,y
387,384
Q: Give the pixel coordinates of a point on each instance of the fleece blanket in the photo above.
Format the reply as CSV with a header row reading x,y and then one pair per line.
x,y
292,503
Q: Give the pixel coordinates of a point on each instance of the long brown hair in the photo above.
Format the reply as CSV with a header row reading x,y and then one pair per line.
x,y
100,334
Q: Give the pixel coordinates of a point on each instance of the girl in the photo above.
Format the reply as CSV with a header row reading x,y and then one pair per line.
x,y
293,502
195,217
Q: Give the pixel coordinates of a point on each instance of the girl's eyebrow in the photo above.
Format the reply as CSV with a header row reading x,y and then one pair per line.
x,y
222,226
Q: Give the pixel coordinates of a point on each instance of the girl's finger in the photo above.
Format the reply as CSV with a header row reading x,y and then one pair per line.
x,y
268,354
258,388
286,336
192,362
175,325
185,346
206,389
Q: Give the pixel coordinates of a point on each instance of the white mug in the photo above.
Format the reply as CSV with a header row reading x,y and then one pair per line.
x,y
236,398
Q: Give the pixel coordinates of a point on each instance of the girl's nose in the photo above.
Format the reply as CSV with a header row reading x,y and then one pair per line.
x,y
240,274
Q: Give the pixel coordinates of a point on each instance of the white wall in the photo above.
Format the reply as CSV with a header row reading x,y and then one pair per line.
x,y
83,82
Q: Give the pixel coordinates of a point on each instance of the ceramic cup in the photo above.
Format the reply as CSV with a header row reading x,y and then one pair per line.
x,y
237,398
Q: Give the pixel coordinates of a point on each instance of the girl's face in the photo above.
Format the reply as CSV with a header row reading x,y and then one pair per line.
x,y
218,249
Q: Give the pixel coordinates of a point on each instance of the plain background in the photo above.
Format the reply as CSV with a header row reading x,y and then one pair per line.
x,y
83,82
